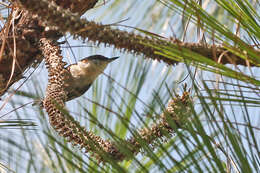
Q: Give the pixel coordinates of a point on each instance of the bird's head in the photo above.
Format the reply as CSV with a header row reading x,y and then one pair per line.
x,y
96,62
89,68
81,75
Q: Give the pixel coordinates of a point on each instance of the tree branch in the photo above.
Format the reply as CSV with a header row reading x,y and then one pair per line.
x,y
127,41
177,112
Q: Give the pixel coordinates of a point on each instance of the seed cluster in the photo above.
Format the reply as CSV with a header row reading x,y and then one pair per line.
x,y
71,130
178,111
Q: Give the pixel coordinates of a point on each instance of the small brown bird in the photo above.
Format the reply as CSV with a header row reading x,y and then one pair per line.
x,y
81,75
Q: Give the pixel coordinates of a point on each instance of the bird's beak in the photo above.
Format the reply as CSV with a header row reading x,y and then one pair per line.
x,y
112,59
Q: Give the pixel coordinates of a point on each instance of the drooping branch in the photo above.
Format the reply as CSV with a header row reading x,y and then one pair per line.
x,y
20,36
54,102
103,150
128,41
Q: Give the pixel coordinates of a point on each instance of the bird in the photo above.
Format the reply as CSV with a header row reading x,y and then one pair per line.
x,y
80,76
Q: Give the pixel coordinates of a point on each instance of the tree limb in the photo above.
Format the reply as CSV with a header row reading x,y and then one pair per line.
x,y
127,41
177,112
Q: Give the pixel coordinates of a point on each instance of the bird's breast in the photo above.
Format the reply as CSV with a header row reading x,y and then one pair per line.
x,y
84,71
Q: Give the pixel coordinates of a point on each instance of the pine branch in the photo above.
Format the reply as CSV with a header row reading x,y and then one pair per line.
x,y
103,150
127,41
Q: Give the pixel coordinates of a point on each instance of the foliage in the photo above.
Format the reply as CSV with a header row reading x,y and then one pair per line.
x,y
221,134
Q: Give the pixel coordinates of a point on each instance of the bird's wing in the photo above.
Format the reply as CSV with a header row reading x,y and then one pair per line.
x,y
77,92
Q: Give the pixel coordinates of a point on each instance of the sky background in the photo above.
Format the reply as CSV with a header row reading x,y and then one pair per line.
x,y
145,14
